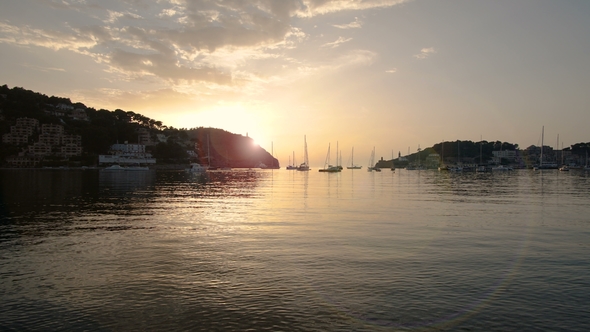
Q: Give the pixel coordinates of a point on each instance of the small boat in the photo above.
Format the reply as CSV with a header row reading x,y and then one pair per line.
x,y
502,168
304,167
119,168
371,166
114,167
456,169
564,168
292,167
352,165
392,165
327,167
197,168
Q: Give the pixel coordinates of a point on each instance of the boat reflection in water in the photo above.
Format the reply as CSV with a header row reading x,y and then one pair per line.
x,y
126,180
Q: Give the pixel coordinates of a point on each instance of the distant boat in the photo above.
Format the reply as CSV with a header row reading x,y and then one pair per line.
x,y
327,167
542,164
305,165
197,168
502,168
273,166
371,166
133,168
115,167
352,165
292,166
481,167
392,165
564,168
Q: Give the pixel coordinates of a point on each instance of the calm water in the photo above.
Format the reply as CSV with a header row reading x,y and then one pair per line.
x,y
296,251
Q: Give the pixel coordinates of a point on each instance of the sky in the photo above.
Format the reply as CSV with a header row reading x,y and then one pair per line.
x,y
394,75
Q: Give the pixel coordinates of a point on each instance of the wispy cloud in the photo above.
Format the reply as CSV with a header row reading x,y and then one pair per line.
x,y
352,25
391,71
338,42
183,41
425,53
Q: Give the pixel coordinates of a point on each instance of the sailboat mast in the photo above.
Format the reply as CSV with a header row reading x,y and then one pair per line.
x,y
480,149
305,151
542,138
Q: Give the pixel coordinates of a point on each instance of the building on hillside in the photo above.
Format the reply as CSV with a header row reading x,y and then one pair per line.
x,y
49,128
71,150
64,107
71,139
79,114
144,137
50,139
509,155
27,122
40,149
126,154
20,133
23,161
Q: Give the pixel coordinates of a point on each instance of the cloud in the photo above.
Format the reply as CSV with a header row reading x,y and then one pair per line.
x,y
320,7
425,53
180,41
352,25
338,42
391,71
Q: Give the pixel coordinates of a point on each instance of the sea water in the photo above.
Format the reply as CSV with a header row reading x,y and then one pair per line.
x,y
294,251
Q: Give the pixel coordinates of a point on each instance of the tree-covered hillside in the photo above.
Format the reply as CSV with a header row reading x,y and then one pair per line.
x,y
99,129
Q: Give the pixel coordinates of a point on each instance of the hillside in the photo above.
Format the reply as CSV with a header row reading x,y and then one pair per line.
x,y
85,133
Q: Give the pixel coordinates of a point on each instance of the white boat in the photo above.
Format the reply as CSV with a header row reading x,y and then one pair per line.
x,y
197,168
327,167
352,165
305,165
114,168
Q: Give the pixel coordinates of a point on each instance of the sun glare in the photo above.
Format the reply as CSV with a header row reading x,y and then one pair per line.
x,y
235,118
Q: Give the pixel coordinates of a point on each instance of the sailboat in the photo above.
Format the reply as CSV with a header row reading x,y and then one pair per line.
x,y
481,167
457,168
273,166
443,166
542,164
352,165
327,166
305,165
292,166
564,167
392,165
587,167
371,168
